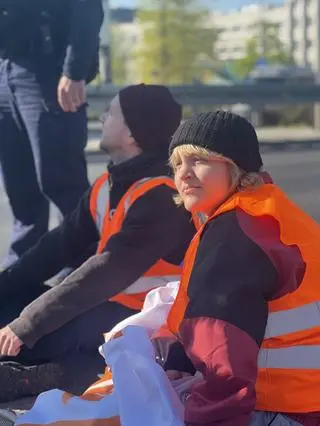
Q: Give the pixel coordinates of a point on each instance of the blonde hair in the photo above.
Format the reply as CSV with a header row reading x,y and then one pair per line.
x,y
240,180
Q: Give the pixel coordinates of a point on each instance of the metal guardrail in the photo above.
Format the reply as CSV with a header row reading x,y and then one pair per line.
x,y
252,94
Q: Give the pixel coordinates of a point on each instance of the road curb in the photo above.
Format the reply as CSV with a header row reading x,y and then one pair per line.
x,y
266,146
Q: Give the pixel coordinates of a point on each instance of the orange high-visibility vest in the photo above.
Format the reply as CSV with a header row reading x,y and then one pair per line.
x,y
289,358
160,273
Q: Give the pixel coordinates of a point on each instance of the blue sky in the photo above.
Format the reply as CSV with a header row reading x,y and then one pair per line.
x,y
223,5
236,4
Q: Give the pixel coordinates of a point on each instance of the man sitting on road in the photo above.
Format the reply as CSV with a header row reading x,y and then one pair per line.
x,y
141,235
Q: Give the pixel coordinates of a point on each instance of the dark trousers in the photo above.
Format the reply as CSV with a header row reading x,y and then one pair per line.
x,y
41,152
75,345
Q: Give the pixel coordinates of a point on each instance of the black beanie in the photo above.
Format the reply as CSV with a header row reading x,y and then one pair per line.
x,y
152,115
225,133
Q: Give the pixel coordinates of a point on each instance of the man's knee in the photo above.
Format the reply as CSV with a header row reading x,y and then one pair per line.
x,y
80,335
84,334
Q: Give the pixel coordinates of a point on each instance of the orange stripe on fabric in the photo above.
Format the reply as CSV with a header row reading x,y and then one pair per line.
x,y
89,396
108,389
133,301
112,421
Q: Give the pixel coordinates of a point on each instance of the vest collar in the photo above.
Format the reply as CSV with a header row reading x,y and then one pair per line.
x,y
144,165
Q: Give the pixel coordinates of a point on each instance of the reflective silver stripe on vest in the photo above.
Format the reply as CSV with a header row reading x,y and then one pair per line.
x,y
292,320
136,186
102,204
148,283
295,357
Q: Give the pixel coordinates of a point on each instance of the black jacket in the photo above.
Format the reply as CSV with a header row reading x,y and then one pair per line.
x,y
54,36
154,228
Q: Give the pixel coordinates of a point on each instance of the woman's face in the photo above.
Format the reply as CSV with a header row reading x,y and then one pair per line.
x,y
203,182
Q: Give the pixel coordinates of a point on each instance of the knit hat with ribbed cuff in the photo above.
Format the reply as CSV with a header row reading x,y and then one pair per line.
x,y
152,115
225,133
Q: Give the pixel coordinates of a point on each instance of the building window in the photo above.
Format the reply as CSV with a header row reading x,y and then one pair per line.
x,y
295,23
294,45
308,21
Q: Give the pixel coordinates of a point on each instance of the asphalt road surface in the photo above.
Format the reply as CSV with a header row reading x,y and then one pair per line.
x,y
298,173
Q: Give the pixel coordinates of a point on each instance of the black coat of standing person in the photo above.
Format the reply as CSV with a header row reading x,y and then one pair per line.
x,y
48,53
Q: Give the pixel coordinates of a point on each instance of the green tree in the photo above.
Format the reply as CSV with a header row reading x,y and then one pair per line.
x,y
267,44
174,34
120,56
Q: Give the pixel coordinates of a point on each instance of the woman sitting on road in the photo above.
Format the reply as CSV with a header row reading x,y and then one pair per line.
x,y
247,312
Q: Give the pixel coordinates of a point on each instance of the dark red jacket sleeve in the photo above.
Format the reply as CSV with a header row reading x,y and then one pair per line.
x,y
227,358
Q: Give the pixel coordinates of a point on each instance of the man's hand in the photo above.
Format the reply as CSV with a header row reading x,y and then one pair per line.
x,y
71,94
10,344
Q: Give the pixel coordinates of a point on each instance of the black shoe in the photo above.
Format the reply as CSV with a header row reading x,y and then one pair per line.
x,y
18,381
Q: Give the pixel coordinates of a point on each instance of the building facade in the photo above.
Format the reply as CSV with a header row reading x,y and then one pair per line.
x,y
238,26
303,24
297,23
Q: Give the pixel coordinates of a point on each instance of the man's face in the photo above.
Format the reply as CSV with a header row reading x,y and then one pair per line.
x,y
115,132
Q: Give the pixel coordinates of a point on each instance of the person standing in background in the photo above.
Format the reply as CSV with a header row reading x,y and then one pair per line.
x,y
48,53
